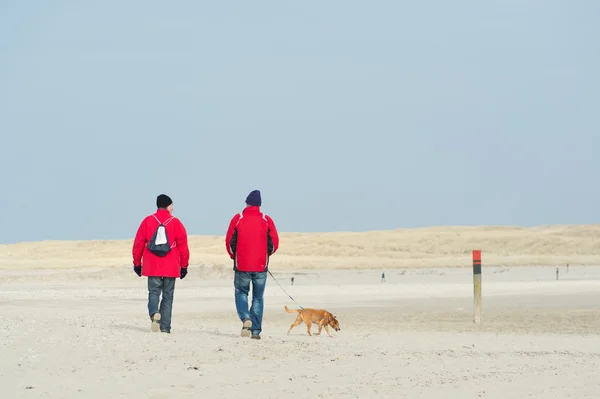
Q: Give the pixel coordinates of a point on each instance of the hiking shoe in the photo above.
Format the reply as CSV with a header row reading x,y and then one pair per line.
x,y
246,328
256,336
155,322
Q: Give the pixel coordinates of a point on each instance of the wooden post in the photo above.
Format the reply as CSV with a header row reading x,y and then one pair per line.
x,y
477,285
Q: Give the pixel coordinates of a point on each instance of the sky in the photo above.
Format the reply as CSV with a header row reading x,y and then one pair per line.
x,y
347,115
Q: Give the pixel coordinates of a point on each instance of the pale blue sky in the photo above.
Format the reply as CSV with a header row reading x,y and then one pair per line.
x,y
347,115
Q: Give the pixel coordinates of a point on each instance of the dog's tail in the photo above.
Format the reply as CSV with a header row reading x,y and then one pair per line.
x,y
291,310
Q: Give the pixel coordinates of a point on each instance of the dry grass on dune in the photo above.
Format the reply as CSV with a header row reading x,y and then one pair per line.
x,y
421,247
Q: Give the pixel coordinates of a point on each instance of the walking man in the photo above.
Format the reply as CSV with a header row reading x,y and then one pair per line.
x,y
250,240
160,252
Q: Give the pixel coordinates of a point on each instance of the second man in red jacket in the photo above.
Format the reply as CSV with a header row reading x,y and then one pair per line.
x,y
250,240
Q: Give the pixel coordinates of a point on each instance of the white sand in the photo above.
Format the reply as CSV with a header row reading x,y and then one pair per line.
x,y
75,324
86,334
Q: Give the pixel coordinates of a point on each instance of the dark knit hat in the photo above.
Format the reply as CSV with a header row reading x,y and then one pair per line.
x,y
253,199
163,201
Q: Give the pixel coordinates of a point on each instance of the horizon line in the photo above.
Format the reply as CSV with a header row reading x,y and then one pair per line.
x,y
502,226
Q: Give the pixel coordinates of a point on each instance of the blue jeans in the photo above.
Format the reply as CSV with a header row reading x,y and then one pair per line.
x,y
166,286
241,283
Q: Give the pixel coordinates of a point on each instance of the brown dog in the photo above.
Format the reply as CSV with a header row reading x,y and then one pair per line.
x,y
321,317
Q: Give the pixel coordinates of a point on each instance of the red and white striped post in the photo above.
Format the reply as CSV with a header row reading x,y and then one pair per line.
x,y
477,285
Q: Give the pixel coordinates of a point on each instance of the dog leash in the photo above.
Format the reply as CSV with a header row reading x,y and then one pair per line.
x,y
284,290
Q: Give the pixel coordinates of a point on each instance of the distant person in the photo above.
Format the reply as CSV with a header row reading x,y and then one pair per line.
x,y
250,240
161,253
292,280
383,277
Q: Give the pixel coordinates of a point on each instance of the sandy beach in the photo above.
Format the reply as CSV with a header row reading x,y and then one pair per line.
x,y
83,332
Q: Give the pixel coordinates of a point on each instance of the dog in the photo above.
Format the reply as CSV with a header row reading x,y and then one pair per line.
x,y
321,317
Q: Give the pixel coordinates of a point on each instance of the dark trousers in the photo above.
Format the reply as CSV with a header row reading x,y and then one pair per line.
x,y
166,287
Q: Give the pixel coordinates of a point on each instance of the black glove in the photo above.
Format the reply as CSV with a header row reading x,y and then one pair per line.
x,y
138,270
183,272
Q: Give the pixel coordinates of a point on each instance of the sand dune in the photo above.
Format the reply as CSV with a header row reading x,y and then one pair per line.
x,y
449,246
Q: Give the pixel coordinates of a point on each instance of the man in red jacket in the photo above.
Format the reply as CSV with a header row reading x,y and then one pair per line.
x,y
160,252
250,240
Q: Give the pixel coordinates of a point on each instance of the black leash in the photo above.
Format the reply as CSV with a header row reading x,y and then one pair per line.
x,y
284,290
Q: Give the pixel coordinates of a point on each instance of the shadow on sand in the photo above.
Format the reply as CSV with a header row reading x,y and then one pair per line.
x,y
122,326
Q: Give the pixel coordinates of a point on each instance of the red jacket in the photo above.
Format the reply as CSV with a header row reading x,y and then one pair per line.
x,y
179,255
251,238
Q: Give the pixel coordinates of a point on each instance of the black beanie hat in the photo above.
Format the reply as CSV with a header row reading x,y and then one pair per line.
x,y
253,199
163,201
